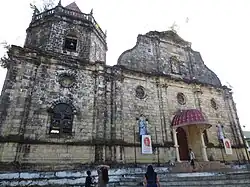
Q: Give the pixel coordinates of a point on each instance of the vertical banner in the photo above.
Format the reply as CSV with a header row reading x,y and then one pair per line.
x,y
227,146
146,144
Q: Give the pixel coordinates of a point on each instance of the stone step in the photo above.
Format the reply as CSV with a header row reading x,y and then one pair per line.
x,y
201,166
122,178
192,179
191,176
193,183
227,185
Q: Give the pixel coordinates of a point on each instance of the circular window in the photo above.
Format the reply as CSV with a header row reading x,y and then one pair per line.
x,y
214,104
66,80
181,98
140,92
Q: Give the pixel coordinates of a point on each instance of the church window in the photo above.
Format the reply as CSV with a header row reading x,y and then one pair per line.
x,y
181,98
66,80
175,65
140,92
70,43
214,104
61,119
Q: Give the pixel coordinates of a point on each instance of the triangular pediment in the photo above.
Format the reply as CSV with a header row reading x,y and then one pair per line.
x,y
73,6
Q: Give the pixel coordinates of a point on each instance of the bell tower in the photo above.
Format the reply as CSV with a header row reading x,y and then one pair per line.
x,y
68,31
54,92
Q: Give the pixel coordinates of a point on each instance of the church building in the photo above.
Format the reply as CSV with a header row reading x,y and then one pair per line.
x,y
62,104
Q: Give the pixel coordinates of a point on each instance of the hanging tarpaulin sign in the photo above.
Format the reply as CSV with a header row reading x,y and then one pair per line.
x,y
227,146
146,144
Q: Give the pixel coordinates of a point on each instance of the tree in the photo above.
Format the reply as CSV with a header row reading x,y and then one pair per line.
x,y
5,59
46,5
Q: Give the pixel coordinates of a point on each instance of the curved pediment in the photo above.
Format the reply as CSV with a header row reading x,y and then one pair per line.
x,y
166,53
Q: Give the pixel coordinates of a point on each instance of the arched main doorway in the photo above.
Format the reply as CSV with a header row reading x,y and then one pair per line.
x,y
182,142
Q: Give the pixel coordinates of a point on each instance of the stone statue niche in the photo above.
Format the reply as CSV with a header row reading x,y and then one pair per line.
x,y
175,65
142,124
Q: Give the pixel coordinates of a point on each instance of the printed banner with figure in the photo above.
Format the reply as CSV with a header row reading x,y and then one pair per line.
x,y
227,146
146,144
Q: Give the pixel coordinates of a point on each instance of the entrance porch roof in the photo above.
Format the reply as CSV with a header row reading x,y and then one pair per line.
x,y
189,117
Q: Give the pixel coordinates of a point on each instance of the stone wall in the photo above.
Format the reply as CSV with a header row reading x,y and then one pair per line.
x,y
59,154
97,49
160,110
8,151
32,91
165,65
107,109
168,54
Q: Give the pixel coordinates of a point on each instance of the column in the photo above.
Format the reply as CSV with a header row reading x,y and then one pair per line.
x,y
100,112
176,145
203,148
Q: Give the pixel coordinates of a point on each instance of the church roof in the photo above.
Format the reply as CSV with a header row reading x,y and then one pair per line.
x,y
73,6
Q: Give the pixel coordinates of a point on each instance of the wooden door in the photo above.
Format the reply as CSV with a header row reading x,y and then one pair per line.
x,y
183,144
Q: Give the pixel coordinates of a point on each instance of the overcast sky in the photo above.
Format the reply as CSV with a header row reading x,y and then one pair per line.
x,y
219,29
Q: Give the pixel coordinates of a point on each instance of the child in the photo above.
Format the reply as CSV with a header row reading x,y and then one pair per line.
x,y
88,182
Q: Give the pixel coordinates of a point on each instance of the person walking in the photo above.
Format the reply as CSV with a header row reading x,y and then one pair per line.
x,y
151,179
191,158
103,176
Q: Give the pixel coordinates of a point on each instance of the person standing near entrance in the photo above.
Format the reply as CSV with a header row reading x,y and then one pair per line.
x,y
191,158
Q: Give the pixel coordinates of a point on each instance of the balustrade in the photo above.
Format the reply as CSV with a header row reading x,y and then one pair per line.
x,y
65,11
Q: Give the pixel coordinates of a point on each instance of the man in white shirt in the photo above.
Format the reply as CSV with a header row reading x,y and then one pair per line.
x,y
191,158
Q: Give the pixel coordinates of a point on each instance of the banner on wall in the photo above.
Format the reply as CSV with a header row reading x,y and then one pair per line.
x,y
227,146
146,144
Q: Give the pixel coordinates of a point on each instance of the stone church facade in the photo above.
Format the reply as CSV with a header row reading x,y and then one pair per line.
x,y
61,102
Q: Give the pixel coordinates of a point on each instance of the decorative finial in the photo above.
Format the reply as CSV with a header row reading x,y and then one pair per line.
x,y
35,11
91,12
59,3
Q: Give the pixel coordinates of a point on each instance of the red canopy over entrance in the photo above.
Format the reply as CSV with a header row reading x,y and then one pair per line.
x,y
189,117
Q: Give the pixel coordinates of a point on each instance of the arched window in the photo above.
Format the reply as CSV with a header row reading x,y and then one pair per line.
x,y
61,119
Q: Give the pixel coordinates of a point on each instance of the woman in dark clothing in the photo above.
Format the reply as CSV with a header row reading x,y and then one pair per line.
x,y
103,176
151,179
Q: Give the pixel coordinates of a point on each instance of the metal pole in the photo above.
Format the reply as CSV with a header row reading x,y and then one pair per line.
x,y
135,146
158,157
221,148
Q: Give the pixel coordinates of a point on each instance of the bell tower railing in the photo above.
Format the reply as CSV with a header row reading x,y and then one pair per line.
x,y
59,10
